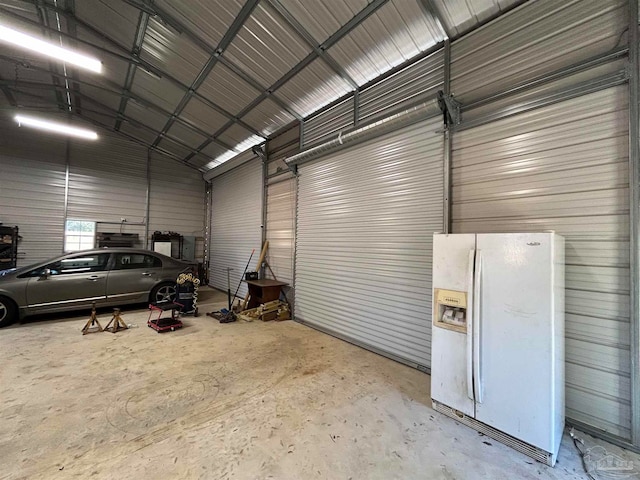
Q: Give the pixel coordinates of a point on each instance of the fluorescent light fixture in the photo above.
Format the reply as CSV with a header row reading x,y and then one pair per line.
x,y
46,48
55,127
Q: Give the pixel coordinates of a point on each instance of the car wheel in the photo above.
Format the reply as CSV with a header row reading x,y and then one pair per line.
x,y
8,312
165,292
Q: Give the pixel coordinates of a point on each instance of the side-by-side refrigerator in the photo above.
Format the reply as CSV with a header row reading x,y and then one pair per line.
x,y
498,337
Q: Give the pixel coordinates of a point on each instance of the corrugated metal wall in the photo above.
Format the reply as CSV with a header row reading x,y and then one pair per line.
x,y
413,84
537,38
364,226
107,182
565,168
281,214
236,217
281,207
177,200
32,185
339,117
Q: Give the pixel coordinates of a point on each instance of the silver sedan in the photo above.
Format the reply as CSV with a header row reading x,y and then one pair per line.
x,y
108,277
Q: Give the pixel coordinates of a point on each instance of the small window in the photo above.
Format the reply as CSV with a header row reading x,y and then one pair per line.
x,y
79,235
136,260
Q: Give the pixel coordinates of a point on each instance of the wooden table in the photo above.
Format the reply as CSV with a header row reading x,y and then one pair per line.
x,y
263,291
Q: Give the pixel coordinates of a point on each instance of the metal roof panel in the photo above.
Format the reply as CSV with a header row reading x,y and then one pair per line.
x,y
267,117
157,90
145,115
395,33
172,52
118,21
186,135
235,135
202,116
322,19
173,147
460,16
313,88
209,19
227,90
266,47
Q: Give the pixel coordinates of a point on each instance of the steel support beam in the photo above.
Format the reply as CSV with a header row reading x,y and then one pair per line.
x,y
238,22
225,61
5,84
634,218
141,30
311,42
592,62
551,98
7,93
108,112
448,146
44,21
360,17
124,56
70,6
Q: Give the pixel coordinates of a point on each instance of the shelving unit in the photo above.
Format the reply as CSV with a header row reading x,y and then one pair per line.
x,y
8,247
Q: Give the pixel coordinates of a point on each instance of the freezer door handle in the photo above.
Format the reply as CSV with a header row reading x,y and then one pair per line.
x,y
477,354
470,321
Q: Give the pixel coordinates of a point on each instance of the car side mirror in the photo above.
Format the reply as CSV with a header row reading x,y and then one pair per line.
x,y
45,274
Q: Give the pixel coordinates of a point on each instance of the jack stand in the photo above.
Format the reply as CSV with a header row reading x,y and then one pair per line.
x,y
90,326
119,323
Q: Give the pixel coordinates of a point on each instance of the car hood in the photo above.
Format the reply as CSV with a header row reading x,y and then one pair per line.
x,y
7,272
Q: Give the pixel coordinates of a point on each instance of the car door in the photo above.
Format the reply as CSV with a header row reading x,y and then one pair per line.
x,y
132,276
75,281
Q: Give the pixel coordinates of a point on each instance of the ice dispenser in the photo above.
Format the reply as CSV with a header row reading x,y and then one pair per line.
x,y
450,310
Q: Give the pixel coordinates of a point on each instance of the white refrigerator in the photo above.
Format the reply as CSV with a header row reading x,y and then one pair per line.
x,y
497,353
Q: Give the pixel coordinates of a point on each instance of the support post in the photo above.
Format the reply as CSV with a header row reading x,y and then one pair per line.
x,y
446,227
634,218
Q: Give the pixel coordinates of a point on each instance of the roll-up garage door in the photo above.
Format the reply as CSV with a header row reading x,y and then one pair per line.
x,y
236,216
565,168
365,221
281,208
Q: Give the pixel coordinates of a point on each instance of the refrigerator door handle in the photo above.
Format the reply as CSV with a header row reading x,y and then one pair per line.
x,y
477,357
470,320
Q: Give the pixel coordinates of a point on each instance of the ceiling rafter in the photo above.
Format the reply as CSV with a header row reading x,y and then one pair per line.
x,y
204,45
115,90
43,17
70,6
125,56
141,30
338,35
110,111
232,31
308,38
7,93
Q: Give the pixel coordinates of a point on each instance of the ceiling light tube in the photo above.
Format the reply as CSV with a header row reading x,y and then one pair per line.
x,y
56,127
49,49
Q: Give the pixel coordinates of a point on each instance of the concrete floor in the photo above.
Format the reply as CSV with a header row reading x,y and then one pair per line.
x,y
230,401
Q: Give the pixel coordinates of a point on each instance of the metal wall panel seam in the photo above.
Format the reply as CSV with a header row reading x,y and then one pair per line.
x,y
634,213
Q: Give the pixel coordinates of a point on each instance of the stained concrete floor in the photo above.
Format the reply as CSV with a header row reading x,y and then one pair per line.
x,y
230,401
